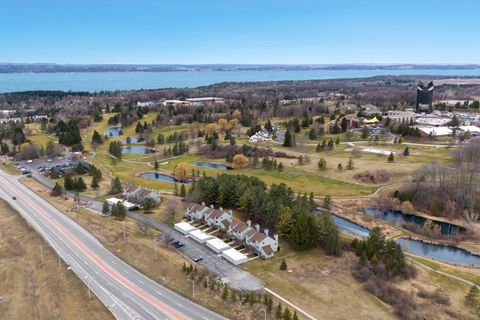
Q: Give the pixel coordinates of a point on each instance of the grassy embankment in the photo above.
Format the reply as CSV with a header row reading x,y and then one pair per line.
x,y
33,291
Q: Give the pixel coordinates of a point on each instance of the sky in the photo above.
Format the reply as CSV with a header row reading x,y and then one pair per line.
x,y
239,31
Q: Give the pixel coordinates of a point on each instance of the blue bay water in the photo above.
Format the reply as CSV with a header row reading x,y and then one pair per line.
x,y
99,81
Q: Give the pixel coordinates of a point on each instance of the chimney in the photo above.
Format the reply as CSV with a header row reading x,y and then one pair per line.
x,y
230,213
203,203
249,223
265,231
221,208
257,227
211,206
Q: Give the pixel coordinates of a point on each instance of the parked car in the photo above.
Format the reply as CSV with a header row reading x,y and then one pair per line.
x,y
197,258
178,245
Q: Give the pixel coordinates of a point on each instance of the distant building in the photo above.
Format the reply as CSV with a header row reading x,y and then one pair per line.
x,y
204,101
259,242
424,97
401,117
433,132
138,194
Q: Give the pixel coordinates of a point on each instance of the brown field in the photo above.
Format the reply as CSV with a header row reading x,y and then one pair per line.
x,y
31,291
138,251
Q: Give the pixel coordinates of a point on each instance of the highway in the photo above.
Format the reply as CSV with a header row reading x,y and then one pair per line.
x,y
127,293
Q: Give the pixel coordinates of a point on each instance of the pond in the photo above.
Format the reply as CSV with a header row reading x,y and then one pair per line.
x,y
162,177
133,140
447,254
137,150
398,217
113,132
348,226
211,165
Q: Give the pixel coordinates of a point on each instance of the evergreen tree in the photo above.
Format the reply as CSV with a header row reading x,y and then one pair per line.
x,y
175,190
121,211
406,151
295,316
391,158
105,208
94,183
329,237
283,265
114,211
225,293
330,144
80,184
312,134
57,190
68,182
79,169
337,141
97,138
115,186
327,201
148,205
350,164
280,167
278,311
155,165
288,140
322,164
183,192
471,298
286,314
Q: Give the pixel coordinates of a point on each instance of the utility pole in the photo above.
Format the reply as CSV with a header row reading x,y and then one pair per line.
x,y
193,287
155,248
41,254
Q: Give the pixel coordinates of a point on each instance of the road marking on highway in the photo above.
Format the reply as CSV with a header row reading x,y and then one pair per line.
x,y
180,305
113,273
141,281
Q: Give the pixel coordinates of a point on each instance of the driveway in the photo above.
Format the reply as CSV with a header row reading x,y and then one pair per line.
x,y
236,277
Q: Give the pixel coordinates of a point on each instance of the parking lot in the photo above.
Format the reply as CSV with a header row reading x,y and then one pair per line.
x,y
214,263
235,277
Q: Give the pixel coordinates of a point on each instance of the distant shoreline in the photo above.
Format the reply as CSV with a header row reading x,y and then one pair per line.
x,y
80,68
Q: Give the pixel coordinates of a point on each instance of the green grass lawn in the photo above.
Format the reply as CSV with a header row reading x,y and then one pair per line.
x,y
10,168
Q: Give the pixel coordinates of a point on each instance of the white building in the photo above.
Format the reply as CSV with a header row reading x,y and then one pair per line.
x,y
234,256
238,230
126,204
204,101
196,211
217,245
138,194
434,131
402,117
260,136
474,130
184,227
433,121
261,243
218,219
200,236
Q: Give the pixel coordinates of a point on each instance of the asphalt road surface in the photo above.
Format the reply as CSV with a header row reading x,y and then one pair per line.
x,y
127,293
